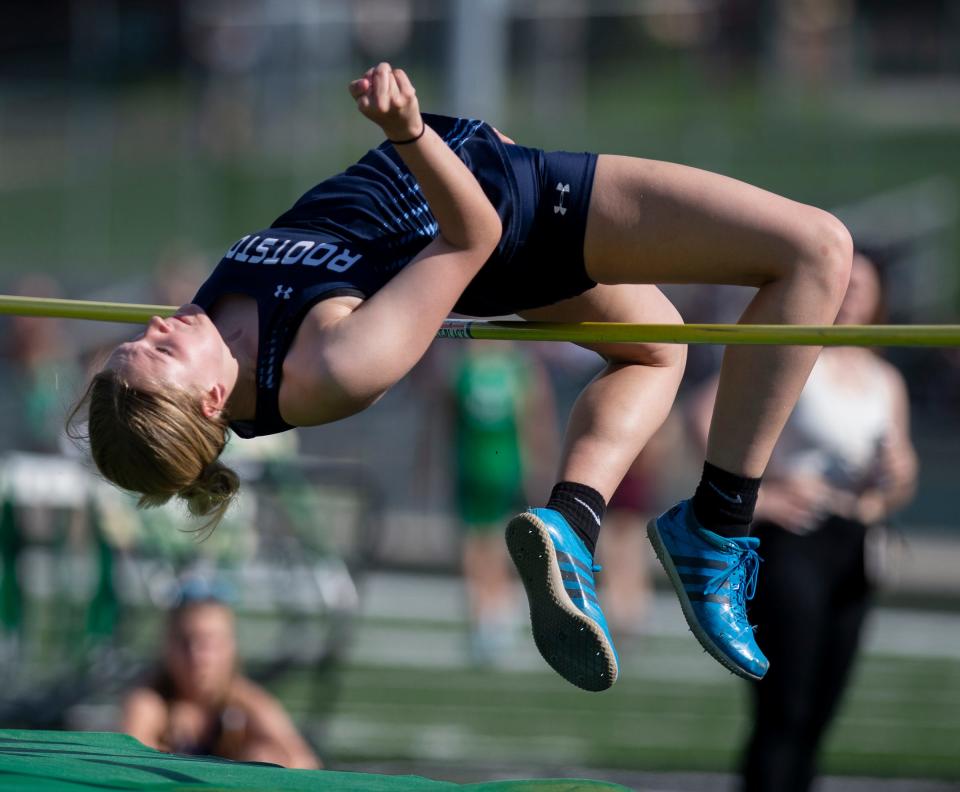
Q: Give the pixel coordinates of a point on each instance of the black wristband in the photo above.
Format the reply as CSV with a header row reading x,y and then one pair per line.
x,y
410,140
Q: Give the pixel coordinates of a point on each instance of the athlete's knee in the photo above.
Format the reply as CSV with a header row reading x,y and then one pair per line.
x,y
672,355
834,254
824,254
644,305
655,354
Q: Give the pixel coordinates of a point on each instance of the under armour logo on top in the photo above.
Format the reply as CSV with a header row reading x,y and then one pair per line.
x,y
559,207
283,292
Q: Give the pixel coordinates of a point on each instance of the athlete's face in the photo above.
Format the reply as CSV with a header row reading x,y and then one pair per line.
x,y
863,295
185,351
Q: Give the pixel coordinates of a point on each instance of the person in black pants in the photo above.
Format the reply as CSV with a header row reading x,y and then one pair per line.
x,y
815,598
843,463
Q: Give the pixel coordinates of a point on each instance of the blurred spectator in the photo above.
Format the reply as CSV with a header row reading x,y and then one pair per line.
x,y
43,369
844,462
504,426
199,703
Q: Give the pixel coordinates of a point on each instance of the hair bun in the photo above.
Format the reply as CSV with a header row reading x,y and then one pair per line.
x,y
212,492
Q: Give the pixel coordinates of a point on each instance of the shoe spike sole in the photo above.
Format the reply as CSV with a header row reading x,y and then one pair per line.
x,y
571,643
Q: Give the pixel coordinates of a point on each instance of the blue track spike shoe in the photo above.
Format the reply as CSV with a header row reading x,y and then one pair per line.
x,y
557,571
714,576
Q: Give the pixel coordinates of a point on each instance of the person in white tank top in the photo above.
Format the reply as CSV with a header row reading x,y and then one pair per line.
x,y
843,464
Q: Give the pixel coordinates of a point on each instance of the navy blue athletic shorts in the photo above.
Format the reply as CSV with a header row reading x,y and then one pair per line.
x,y
376,212
540,260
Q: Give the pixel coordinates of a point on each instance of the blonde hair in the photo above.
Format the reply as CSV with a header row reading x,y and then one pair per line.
x,y
157,443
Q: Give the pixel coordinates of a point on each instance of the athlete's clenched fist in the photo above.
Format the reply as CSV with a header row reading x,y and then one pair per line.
x,y
387,97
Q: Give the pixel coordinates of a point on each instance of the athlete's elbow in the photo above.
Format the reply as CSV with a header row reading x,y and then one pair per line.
x,y
485,231
494,228
355,388
476,235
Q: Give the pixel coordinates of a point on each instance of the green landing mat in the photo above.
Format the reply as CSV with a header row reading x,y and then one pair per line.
x,y
47,761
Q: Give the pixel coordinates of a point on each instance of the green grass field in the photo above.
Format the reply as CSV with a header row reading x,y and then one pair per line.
x,y
407,694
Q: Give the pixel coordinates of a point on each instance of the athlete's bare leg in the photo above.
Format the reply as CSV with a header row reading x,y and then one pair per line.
x,y
613,418
656,222
653,222
623,406
662,223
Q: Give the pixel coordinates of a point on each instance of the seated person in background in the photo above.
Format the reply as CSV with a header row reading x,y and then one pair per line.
x,y
199,703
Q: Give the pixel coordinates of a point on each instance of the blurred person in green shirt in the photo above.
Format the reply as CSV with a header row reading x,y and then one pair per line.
x,y
504,420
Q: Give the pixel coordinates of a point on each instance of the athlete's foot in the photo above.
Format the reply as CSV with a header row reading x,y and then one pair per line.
x,y
557,572
713,576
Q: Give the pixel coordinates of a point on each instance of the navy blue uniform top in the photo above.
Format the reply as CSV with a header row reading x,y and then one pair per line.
x,y
354,231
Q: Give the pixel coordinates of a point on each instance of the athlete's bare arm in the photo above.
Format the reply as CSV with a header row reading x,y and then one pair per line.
x,y
346,356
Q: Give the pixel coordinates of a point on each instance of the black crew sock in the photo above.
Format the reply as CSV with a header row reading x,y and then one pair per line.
x,y
582,507
724,502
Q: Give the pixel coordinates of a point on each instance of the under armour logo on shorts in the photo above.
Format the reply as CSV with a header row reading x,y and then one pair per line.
x,y
559,208
283,292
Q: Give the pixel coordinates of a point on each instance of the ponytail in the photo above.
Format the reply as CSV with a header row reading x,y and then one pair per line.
x,y
157,443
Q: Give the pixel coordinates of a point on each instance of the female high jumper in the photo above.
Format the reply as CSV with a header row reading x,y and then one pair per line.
x,y
314,318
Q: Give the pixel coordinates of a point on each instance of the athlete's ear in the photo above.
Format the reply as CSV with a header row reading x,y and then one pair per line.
x,y
213,401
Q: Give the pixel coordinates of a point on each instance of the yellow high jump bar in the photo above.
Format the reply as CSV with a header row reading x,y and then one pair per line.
x,y
585,333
